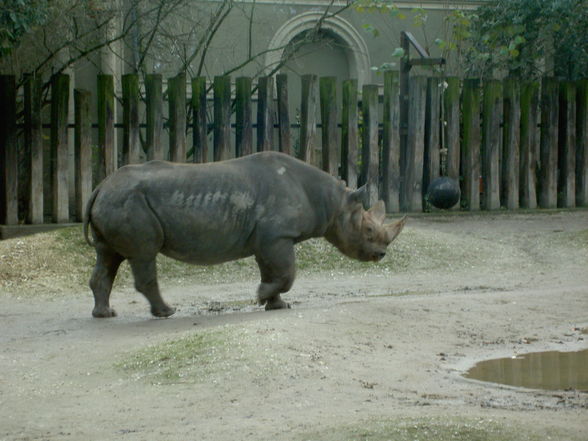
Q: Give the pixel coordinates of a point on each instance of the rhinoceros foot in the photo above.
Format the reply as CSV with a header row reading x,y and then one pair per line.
x,y
163,312
276,304
103,312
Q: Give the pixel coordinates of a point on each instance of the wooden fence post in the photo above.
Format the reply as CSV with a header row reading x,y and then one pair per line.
x,y
511,144
131,136
108,156
432,160
83,151
451,127
391,142
8,152
567,145
349,133
411,192
582,144
370,150
283,114
244,126
199,122
176,91
222,117
548,143
307,117
491,143
154,111
265,114
330,143
470,147
33,132
59,147
528,158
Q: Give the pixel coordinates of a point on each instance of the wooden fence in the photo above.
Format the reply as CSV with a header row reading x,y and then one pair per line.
x,y
511,144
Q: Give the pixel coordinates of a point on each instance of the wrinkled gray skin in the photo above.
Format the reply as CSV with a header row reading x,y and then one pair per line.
x,y
205,214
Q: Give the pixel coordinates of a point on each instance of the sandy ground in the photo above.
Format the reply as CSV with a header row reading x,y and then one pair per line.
x,y
359,356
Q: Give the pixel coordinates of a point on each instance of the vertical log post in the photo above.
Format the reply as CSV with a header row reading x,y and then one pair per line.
x,y
59,147
154,107
34,148
244,126
567,145
451,127
199,122
582,144
131,136
412,183
391,142
108,162
470,147
529,137
511,144
405,67
548,143
370,150
349,134
83,151
8,152
491,143
176,91
222,117
330,143
432,160
307,117
265,114
283,114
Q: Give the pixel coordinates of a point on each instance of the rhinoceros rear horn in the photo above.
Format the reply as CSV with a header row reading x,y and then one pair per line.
x,y
360,195
378,211
395,228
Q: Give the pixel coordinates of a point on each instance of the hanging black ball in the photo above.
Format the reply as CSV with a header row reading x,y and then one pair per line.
x,y
443,192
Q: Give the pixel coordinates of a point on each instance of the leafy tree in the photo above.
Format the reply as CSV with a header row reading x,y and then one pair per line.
x,y
18,17
523,38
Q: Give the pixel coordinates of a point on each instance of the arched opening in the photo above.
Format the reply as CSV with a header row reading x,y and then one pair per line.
x,y
322,54
336,49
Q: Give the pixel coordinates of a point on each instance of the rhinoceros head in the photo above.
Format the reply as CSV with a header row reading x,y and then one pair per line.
x,y
361,234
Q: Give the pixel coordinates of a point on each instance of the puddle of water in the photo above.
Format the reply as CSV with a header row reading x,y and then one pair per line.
x,y
551,370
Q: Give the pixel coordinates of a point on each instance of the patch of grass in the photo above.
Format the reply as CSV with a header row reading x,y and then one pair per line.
x,y
61,262
576,239
434,429
189,359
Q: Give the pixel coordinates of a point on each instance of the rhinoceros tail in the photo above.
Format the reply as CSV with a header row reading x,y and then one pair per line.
x,y
87,215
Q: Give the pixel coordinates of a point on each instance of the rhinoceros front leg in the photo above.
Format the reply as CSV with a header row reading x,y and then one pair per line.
x,y
145,275
277,268
107,263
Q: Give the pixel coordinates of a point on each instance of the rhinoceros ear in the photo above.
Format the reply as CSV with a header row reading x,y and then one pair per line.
x,y
378,211
360,195
395,228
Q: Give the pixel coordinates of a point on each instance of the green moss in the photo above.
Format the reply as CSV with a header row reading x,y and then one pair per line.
x,y
61,261
576,239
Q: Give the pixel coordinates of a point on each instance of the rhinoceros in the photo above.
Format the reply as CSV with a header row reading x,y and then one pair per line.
x,y
259,205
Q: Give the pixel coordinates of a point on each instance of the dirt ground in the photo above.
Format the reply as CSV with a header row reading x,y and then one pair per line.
x,y
361,355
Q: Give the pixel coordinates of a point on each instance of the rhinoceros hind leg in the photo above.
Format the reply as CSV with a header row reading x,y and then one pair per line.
x,y
107,263
276,265
145,275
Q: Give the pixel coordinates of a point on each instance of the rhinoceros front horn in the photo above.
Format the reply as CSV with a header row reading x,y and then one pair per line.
x,y
395,228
